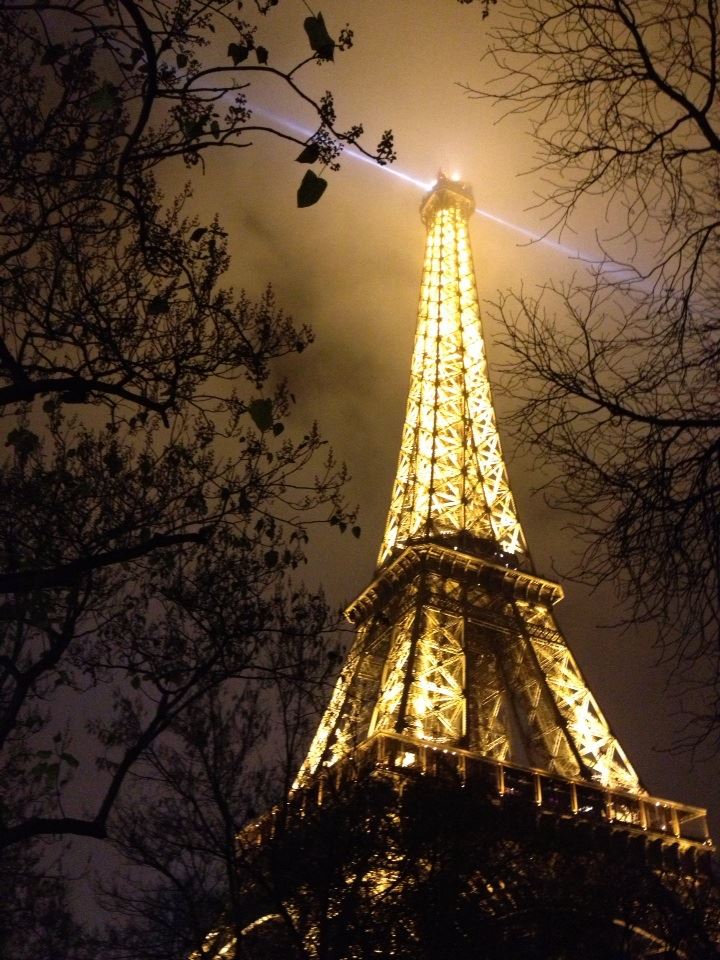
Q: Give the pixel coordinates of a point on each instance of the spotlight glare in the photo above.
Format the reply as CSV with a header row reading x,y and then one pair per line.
x,y
393,171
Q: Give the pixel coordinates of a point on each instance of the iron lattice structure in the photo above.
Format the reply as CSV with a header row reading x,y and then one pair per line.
x,y
451,477
457,649
459,672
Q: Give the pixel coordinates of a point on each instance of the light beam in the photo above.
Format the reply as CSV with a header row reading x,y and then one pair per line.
x,y
423,185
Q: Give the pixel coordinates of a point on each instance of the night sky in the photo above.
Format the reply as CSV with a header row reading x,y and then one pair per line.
x,y
350,266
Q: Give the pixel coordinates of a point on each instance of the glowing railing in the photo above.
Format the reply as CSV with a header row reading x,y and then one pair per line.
x,y
556,795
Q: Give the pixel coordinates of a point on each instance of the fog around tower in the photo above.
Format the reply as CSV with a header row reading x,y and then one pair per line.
x,y
350,266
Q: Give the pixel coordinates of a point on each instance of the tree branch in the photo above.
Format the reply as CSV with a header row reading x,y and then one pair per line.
x,y
62,576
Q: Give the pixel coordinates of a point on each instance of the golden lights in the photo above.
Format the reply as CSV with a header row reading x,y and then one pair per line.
x,y
451,477
451,662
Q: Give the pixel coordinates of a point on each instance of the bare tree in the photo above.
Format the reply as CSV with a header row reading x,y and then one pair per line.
x,y
616,373
154,500
230,758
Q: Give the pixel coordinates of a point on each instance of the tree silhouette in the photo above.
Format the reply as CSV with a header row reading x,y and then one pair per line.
x,y
155,500
383,865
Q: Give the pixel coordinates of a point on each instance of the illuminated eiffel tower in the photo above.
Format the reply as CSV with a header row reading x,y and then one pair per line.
x,y
458,665
460,678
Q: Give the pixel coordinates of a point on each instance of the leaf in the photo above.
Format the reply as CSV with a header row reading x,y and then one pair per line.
x,y
278,428
311,189
103,98
356,531
181,60
23,440
48,770
157,306
215,129
309,154
197,234
237,52
52,54
193,128
70,759
262,55
271,558
261,413
320,40
113,462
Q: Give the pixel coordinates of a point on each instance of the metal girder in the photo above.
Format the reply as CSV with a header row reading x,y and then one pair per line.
x,y
451,476
456,643
590,732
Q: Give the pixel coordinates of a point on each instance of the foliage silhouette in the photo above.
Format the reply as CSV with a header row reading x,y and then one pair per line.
x,y
156,502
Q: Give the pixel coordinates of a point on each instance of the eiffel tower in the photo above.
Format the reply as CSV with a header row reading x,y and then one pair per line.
x,y
458,664
459,677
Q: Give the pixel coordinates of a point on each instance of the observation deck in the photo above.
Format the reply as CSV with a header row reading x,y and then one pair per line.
x,y
673,835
